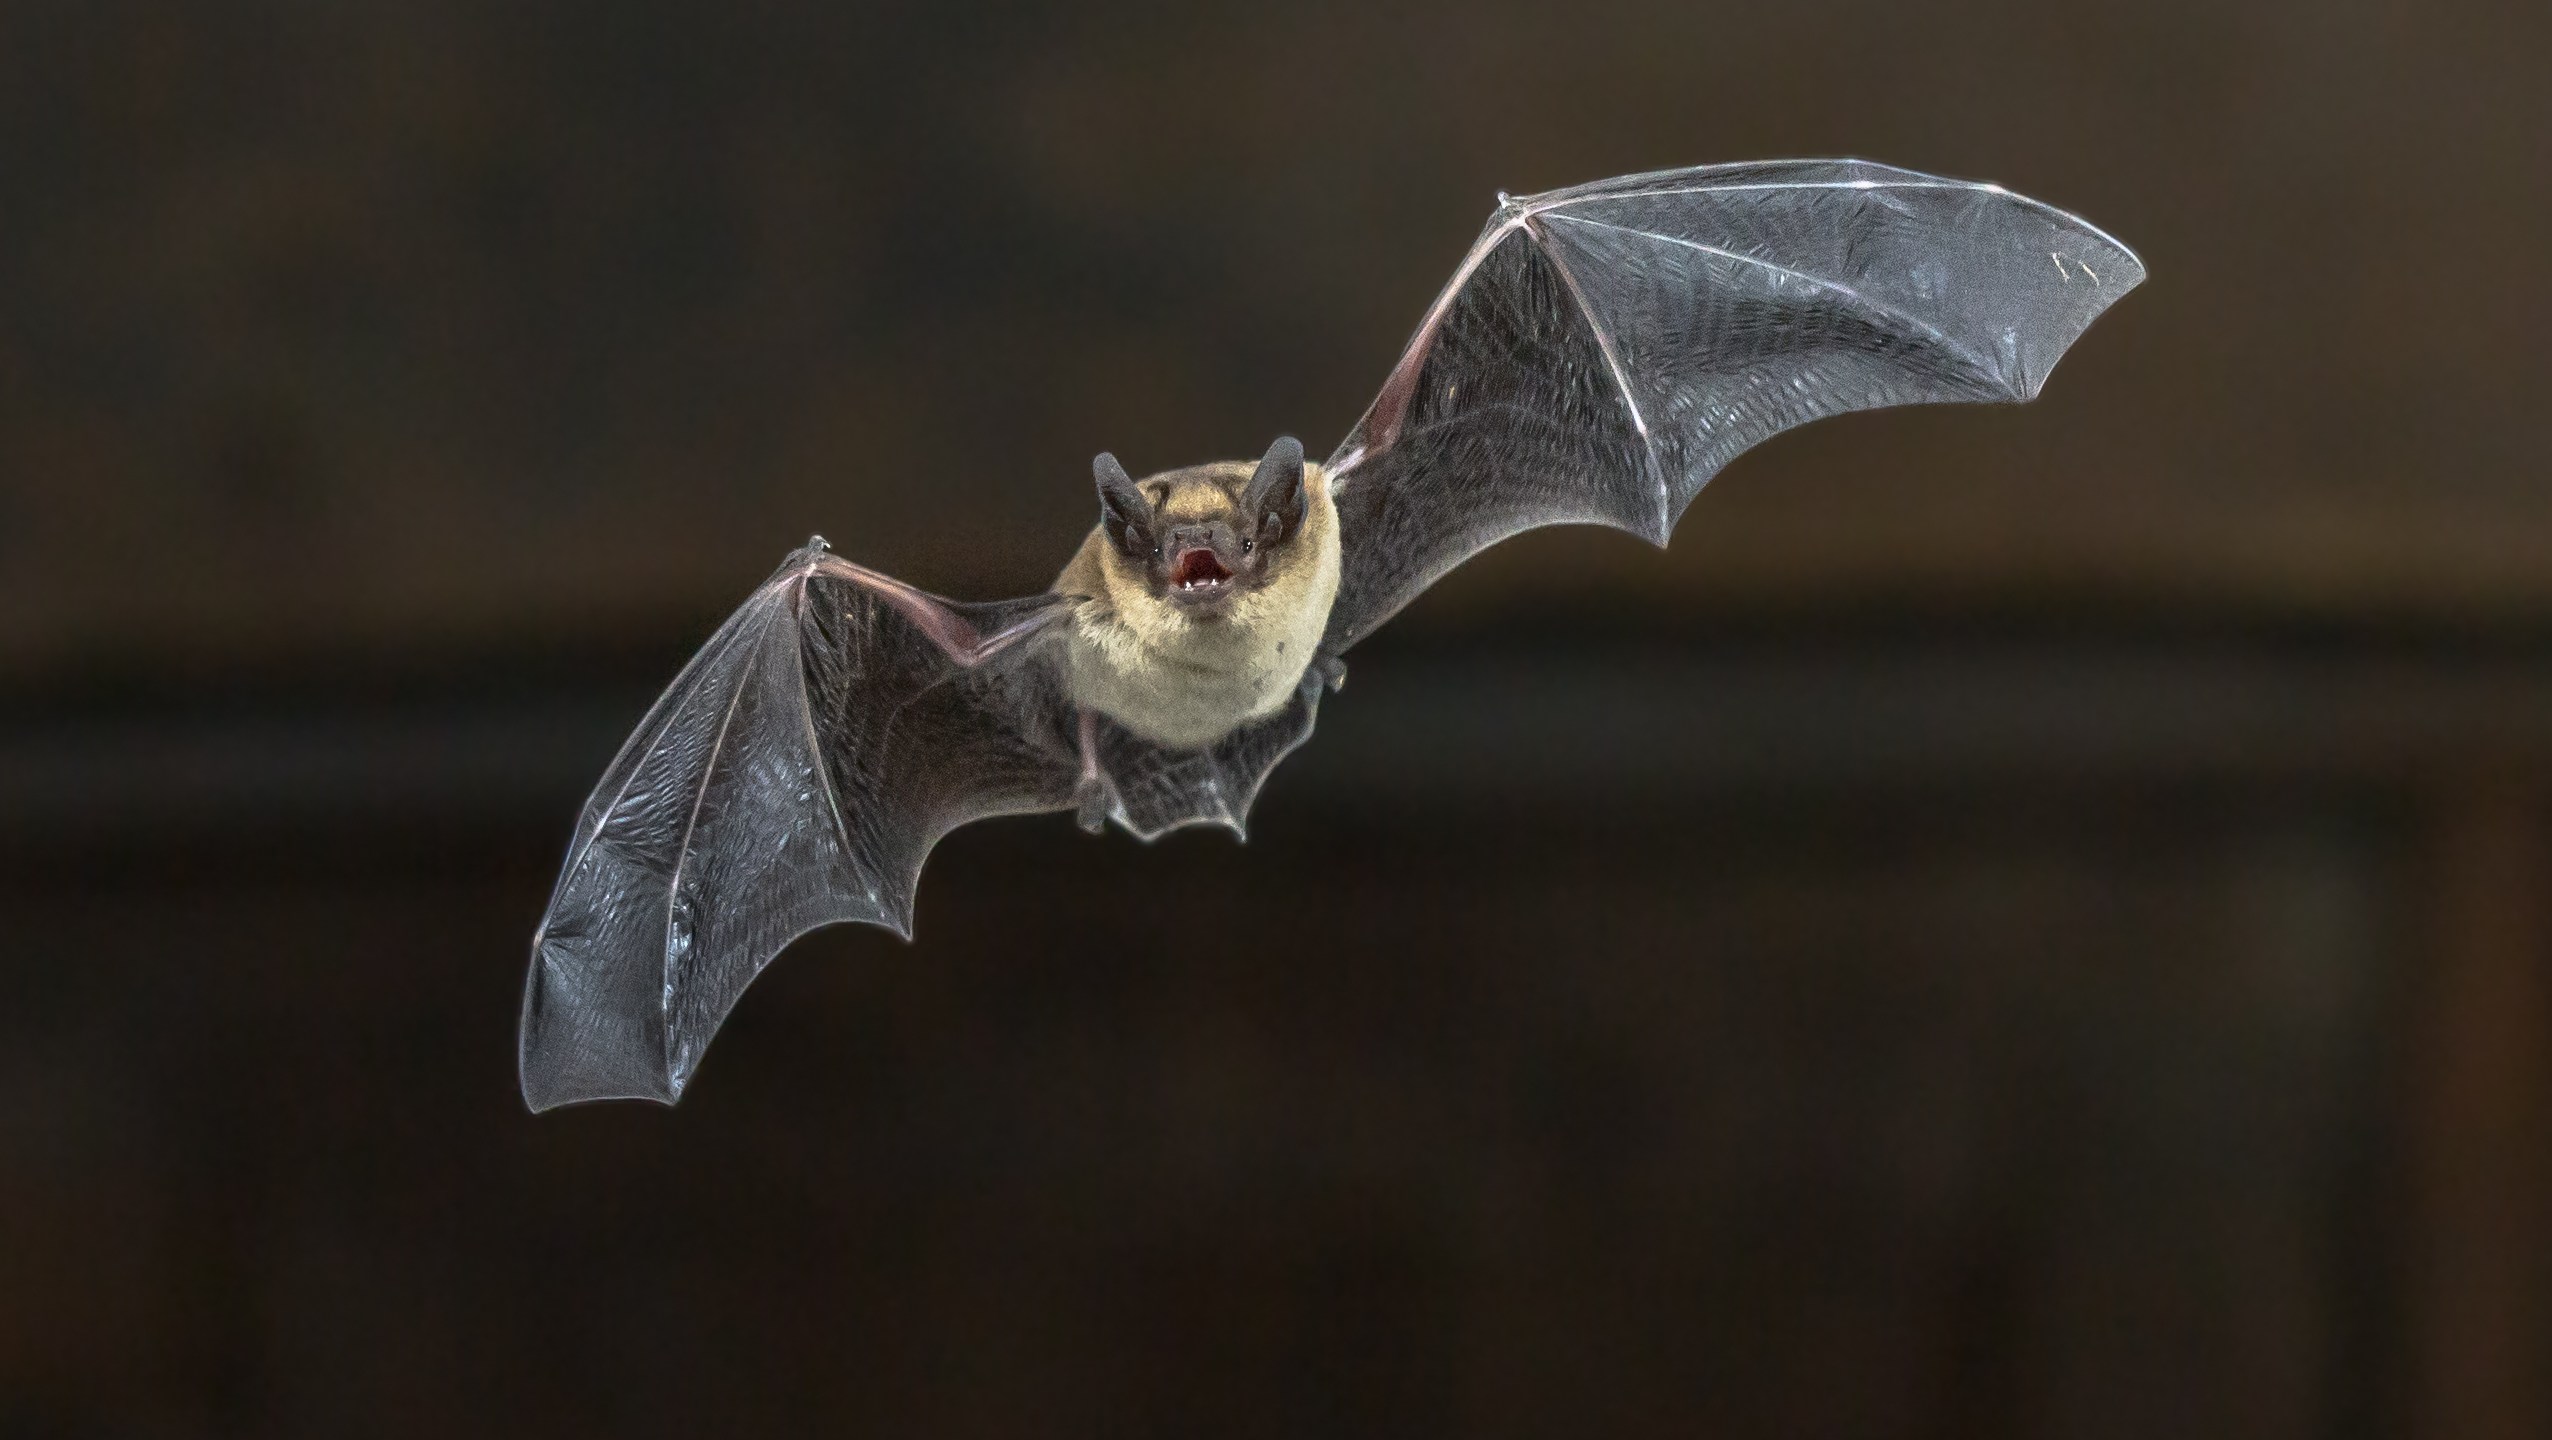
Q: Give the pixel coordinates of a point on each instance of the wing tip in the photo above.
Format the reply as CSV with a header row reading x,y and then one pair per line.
x,y
557,1064
2119,276
551,1081
2136,272
543,1102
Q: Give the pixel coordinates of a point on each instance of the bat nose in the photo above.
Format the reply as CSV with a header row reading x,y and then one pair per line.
x,y
1195,537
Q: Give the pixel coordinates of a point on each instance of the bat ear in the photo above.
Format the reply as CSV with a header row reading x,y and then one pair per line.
x,y
1275,492
1123,511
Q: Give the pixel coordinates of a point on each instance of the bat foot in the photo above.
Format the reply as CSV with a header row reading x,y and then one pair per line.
x,y
1091,802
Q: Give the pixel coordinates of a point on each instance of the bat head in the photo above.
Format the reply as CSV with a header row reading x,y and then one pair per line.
x,y
1203,536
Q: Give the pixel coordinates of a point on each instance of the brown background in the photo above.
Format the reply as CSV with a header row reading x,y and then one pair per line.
x,y
2023,922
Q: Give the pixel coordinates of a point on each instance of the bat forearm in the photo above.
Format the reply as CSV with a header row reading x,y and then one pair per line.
x,y
957,637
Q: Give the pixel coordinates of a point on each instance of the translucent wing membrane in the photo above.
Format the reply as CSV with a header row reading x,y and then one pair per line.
x,y
1605,350
797,774
1158,790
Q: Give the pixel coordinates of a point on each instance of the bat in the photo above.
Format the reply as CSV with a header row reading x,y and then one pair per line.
x,y
1600,353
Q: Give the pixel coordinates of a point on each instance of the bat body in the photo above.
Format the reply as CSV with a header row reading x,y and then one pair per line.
x,y
1599,354
1204,610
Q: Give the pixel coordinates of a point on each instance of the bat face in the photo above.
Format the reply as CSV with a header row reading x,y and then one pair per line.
x,y
1201,538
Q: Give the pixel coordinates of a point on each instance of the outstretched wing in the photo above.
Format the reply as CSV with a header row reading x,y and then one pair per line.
x,y
1604,350
796,774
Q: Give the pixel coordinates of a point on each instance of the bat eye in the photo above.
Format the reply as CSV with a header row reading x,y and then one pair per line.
x,y
1248,545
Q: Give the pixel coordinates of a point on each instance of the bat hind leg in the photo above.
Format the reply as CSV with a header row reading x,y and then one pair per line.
x,y
1092,795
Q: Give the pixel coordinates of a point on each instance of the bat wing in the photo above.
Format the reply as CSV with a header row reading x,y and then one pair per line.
x,y
1157,789
796,774
1604,350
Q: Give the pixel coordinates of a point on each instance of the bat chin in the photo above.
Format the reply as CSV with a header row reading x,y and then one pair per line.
x,y
1205,600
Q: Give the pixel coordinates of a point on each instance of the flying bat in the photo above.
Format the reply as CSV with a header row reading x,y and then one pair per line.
x,y
1600,353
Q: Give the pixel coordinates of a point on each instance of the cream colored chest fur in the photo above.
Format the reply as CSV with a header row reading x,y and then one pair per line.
x,y
1186,682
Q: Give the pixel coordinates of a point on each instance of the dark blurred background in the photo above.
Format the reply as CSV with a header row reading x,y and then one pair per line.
x,y
2024,922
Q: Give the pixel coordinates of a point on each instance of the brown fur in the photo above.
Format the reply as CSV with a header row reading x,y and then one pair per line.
x,y
1179,679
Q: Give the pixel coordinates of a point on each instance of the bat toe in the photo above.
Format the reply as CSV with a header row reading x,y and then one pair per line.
x,y
1091,804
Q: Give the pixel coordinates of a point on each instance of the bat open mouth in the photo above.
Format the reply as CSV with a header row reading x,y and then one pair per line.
x,y
1198,572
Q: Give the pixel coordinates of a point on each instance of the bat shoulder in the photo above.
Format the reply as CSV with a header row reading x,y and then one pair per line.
x,y
1086,573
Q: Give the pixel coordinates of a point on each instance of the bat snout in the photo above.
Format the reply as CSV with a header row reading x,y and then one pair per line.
x,y
1198,562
